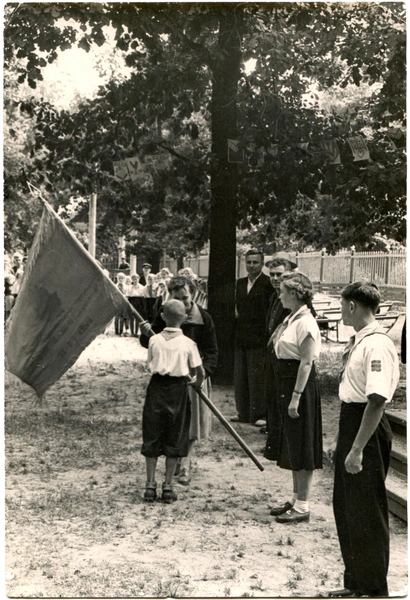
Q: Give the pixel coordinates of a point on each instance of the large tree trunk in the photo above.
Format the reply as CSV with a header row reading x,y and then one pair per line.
x,y
224,181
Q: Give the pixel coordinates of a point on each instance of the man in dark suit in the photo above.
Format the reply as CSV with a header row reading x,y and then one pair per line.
x,y
279,264
252,302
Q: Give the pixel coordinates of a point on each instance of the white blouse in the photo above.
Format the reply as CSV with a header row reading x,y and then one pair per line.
x,y
289,336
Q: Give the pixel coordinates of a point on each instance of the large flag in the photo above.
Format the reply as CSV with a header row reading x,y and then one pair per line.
x,y
64,302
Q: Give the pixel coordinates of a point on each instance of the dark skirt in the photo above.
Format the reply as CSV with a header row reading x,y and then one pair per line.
x,y
300,444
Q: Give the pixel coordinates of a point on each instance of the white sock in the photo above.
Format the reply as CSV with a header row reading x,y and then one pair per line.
x,y
301,506
294,498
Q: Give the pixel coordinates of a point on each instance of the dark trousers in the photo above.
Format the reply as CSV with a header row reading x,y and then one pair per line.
x,y
360,505
249,382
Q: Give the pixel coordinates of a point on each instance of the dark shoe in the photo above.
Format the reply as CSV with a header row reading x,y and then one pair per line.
x,y
280,509
263,430
184,476
150,494
168,494
293,516
342,593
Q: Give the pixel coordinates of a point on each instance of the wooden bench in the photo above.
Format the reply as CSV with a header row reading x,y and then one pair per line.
x,y
384,308
328,321
387,321
320,304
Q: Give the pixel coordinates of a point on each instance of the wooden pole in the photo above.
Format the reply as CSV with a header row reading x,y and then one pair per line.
x,y
92,224
229,427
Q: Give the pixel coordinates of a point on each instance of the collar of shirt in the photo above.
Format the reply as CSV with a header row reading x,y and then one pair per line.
x,y
251,283
359,335
171,332
299,313
194,316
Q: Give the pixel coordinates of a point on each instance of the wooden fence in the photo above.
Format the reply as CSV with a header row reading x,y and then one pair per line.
x,y
387,269
383,268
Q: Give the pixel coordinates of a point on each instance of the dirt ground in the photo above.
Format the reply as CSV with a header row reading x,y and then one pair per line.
x,y
76,524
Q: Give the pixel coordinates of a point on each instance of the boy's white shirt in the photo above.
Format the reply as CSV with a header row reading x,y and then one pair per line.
x,y
168,354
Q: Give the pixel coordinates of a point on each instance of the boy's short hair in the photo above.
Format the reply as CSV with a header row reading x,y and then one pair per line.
x,y
365,293
179,281
120,276
174,309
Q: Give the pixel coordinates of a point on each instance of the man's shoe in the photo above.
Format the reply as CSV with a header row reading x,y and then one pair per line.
x,y
184,476
263,430
168,494
280,509
293,516
260,423
342,593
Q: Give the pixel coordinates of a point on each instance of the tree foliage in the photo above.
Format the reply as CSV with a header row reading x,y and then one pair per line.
x,y
162,115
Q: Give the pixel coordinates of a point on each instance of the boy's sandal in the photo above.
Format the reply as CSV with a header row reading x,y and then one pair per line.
x,y
168,494
150,494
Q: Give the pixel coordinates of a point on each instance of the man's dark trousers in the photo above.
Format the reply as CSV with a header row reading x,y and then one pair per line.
x,y
360,505
250,383
250,346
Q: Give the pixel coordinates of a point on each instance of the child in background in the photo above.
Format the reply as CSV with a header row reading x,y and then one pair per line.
x,y
8,296
172,356
135,293
121,318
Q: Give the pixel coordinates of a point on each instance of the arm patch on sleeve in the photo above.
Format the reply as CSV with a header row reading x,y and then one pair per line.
x,y
376,365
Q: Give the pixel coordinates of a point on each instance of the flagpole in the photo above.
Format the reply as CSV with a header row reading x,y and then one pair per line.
x,y
38,194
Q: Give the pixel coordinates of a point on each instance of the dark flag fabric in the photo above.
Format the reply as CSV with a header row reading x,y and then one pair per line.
x,y
64,302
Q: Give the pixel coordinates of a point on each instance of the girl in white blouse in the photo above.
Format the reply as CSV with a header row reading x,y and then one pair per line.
x,y
296,344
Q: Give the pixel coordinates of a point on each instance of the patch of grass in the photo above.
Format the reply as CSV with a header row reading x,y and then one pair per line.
x,y
231,574
258,586
166,589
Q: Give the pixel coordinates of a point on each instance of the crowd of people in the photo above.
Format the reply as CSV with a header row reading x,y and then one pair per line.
x,y
13,274
147,292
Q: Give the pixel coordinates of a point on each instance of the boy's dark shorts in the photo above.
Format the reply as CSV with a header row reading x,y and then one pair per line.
x,y
166,417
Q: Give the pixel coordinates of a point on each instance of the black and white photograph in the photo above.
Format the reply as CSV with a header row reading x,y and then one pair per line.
x,y
204,232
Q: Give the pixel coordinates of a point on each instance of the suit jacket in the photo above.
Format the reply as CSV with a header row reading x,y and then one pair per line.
x,y
276,315
252,309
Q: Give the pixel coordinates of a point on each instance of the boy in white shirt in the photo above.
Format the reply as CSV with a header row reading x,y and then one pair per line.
x,y
172,358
